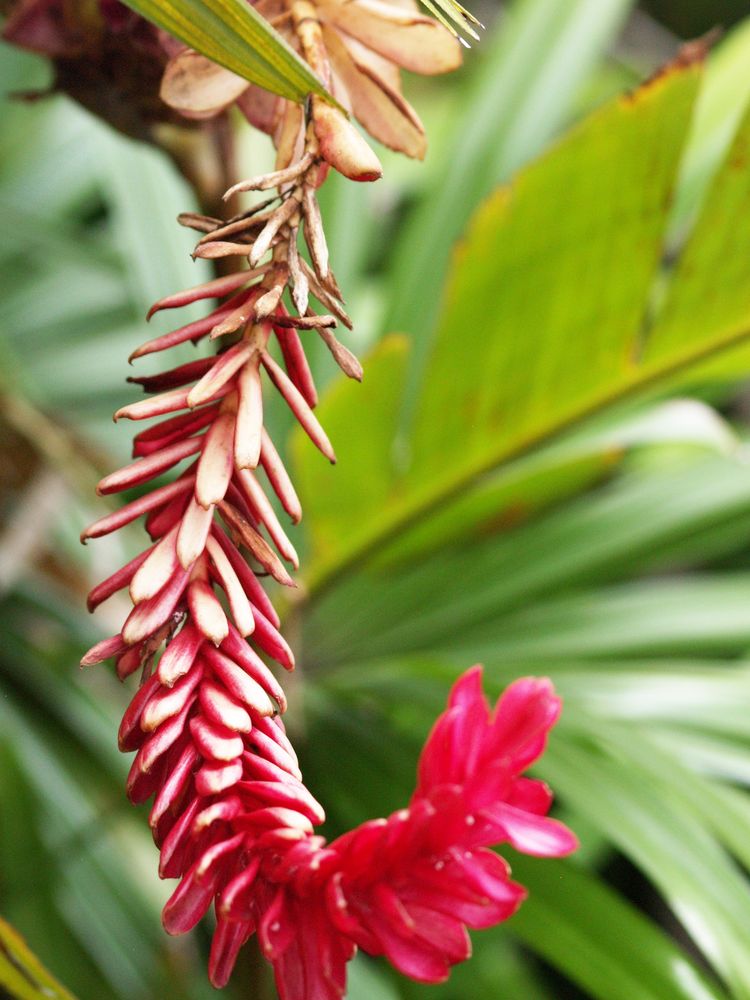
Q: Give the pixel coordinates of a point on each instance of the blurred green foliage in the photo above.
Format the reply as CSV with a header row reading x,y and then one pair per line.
x,y
517,484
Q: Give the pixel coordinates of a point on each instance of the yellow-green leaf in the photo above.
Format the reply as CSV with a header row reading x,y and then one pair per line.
x,y
233,34
22,975
542,318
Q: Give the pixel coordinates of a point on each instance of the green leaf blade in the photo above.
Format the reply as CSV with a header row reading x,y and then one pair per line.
x,y
710,287
558,321
21,972
620,957
233,34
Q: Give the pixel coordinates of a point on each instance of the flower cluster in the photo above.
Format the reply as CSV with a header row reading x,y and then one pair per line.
x,y
407,887
230,814
356,49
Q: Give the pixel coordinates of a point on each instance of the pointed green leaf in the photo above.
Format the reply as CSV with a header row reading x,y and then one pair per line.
x,y
475,597
641,814
233,34
710,286
528,75
599,940
723,100
22,975
541,282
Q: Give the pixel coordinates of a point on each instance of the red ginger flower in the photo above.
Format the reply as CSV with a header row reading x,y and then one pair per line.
x,y
409,886
230,814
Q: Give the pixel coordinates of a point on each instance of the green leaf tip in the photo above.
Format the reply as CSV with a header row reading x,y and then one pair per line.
x,y
456,18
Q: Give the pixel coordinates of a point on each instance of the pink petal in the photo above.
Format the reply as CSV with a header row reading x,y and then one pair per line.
x,y
242,653
239,684
167,702
443,932
136,508
191,331
273,728
216,777
103,650
313,964
343,917
249,426
295,362
129,662
271,641
179,655
266,515
405,951
149,616
235,899
266,770
247,578
228,938
240,606
157,569
193,532
271,751
295,797
219,375
299,407
163,518
171,857
207,613
119,579
174,377
223,710
526,711
275,930
359,848
187,904
160,741
173,788
212,857
130,735
222,810
472,886
279,479
530,795
271,817
215,743
215,289
216,462
536,835
173,429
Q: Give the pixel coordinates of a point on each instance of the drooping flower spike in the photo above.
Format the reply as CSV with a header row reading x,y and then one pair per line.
x,y
230,814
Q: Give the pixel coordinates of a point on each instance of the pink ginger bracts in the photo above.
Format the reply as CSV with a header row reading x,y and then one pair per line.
x,y
232,819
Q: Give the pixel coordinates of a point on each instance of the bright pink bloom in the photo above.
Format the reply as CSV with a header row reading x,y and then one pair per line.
x,y
409,886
